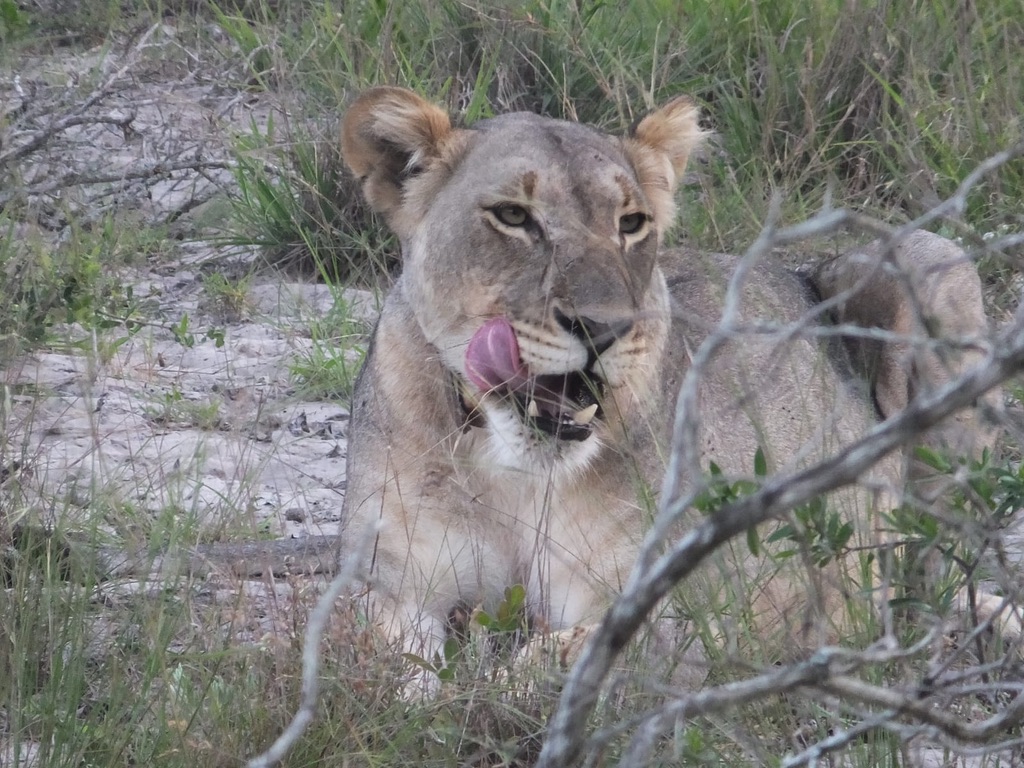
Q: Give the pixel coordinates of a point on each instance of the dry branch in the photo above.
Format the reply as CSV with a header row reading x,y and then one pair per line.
x,y
40,139
80,559
147,172
660,568
348,575
648,585
77,115
823,665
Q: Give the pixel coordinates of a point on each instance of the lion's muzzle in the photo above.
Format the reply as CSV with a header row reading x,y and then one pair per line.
x,y
563,406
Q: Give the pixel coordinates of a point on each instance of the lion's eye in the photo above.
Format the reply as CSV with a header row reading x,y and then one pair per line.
x,y
511,215
631,223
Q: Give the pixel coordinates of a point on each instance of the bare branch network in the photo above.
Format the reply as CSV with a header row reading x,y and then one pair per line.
x,y
657,574
663,563
118,135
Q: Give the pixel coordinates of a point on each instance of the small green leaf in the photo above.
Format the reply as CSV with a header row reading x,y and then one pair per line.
x,y
783,533
844,535
760,465
515,596
420,662
216,335
446,674
451,650
753,542
742,488
933,459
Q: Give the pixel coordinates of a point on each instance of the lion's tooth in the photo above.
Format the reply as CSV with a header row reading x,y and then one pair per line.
x,y
586,415
532,410
469,398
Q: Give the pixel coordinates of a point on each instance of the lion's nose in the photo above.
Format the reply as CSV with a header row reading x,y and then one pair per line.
x,y
596,336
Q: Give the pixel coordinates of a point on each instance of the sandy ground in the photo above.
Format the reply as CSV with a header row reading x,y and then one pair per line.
x,y
213,432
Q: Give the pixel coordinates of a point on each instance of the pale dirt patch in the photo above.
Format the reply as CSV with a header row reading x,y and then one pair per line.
x,y
115,439
212,432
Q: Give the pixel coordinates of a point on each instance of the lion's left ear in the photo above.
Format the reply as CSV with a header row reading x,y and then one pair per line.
x,y
659,148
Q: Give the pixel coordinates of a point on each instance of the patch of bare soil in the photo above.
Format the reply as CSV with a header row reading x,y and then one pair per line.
x,y
207,431
120,431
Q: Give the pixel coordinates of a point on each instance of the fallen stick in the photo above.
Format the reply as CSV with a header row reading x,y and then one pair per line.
x,y
77,558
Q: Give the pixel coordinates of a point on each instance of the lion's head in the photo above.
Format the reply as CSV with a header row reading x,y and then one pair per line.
x,y
529,250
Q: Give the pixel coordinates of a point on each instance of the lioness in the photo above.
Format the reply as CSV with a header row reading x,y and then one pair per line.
x,y
514,406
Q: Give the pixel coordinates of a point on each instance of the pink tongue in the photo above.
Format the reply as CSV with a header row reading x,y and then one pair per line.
x,y
492,357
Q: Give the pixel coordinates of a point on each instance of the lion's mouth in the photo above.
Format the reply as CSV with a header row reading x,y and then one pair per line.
x,y
561,405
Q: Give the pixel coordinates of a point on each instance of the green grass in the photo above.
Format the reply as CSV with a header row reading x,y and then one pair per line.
x,y
326,369
49,289
295,203
883,106
886,106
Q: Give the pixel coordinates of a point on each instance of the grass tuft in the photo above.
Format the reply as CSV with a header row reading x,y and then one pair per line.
x,y
880,106
302,210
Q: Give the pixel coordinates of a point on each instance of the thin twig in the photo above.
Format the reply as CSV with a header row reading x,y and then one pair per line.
x,y
154,170
823,664
657,570
904,703
956,203
838,740
78,116
348,574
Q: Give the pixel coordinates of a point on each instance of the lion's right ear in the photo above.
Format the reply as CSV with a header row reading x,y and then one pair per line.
x,y
660,147
389,135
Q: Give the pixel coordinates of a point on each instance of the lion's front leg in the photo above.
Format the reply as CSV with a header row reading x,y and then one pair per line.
x,y
416,584
430,557
415,631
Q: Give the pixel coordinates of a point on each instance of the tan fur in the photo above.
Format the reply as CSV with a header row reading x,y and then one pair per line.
x,y
470,504
925,289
